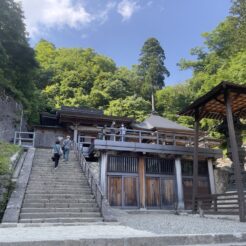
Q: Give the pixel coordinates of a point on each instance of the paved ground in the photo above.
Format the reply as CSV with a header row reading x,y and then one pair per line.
x,y
133,229
180,224
22,234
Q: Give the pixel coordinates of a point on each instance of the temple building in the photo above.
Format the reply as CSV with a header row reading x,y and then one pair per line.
x,y
142,165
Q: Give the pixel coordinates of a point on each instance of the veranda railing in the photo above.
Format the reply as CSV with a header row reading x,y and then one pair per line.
x,y
156,137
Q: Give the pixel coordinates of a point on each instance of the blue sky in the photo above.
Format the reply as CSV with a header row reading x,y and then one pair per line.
x,y
119,28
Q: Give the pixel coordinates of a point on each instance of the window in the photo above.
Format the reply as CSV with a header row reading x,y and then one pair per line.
x,y
159,166
123,164
187,168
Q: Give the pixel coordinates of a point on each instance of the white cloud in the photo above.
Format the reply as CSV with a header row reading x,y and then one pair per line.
x,y
126,8
43,15
103,15
54,13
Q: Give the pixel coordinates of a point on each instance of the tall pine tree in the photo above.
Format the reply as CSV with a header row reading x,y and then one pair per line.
x,y
151,69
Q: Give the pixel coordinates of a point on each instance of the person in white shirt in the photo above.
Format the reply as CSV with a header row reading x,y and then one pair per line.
x,y
67,144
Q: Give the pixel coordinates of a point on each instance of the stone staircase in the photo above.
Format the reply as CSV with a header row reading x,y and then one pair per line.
x,y
59,195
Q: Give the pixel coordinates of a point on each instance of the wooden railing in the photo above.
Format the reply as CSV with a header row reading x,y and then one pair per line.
x,y
226,203
92,181
143,136
25,139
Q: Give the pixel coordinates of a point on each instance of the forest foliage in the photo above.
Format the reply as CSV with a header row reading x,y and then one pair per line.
x,y
47,77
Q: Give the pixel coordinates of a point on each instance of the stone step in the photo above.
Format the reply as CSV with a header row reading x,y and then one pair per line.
x,y
78,192
53,180
85,204
58,215
63,168
62,220
54,189
56,174
47,162
58,196
60,210
56,186
72,177
83,180
56,200
50,165
60,171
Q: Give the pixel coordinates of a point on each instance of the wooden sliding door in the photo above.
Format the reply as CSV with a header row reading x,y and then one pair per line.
x,y
153,192
123,181
160,183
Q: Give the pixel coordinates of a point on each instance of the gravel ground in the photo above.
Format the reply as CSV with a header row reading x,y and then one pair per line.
x,y
179,224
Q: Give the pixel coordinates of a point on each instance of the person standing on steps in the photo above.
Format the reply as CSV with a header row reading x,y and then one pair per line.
x,y
57,152
67,144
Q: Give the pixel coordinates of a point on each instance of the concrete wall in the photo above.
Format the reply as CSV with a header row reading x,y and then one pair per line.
x,y
10,114
46,137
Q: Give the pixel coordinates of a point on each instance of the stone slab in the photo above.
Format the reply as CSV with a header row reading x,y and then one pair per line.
x,y
116,235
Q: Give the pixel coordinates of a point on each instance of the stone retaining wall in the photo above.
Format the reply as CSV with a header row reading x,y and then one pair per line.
x,y
46,137
5,188
10,115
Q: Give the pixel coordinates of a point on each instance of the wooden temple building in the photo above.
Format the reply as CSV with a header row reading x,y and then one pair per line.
x,y
151,167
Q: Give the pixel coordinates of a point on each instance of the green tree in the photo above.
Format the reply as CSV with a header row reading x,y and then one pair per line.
x,y
135,107
17,62
151,69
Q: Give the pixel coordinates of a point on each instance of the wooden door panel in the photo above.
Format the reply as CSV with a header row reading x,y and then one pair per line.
x,y
187,188
130,191
115,191
168,192
152,192
203,187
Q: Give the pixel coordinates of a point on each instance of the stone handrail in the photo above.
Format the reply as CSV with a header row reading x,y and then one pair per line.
x,y
95,187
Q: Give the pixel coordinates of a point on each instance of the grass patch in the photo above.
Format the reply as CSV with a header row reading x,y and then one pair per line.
x,y
7,150
3,204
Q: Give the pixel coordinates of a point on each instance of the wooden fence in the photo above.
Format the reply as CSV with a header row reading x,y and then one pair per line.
x,y
226,203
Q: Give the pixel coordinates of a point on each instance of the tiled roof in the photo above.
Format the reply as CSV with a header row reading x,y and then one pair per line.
x,y
156,121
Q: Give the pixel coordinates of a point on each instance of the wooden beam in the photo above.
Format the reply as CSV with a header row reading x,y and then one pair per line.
x,y
235,156
195,160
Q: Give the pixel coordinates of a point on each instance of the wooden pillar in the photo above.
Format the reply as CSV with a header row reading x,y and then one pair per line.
x,y
195,161
75,134
141,173
211,176
179,183
235,156
103,172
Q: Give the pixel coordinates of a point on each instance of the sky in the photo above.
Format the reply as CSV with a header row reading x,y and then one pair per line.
x,y
119,28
